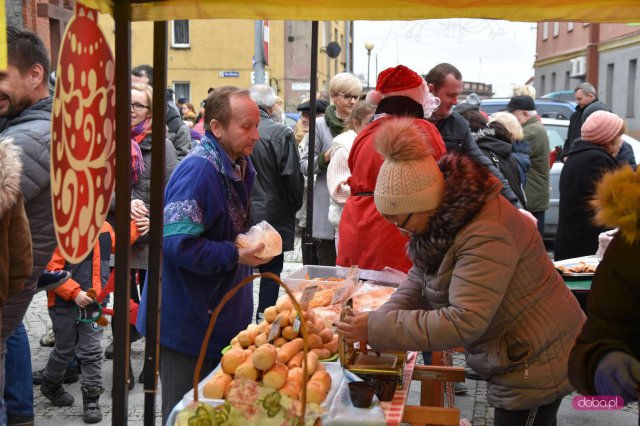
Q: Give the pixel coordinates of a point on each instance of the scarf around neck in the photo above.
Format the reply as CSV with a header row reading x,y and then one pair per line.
x,y
138,133
467,186
336,126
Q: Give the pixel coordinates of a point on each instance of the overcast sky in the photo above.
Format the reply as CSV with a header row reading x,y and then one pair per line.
x,y
488,51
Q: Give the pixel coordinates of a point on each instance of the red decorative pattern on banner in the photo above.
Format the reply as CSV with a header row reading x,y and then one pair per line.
x,y
83,135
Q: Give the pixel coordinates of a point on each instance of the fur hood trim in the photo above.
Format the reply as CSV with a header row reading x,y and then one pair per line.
x,y
617,202
468,186
10,171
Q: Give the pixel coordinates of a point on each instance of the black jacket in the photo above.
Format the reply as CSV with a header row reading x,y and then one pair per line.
x,y
458,138
577,119
277,191
499,152
577,235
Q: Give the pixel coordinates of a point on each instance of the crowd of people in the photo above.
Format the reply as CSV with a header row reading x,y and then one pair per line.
x,y
457,201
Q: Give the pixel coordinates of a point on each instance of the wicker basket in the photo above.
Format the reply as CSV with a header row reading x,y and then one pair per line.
x,y
212,322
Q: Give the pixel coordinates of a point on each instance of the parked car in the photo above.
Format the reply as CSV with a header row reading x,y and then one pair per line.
x,y
547,108
562,95
557,132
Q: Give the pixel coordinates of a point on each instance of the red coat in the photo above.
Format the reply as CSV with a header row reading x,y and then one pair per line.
x,y
366,238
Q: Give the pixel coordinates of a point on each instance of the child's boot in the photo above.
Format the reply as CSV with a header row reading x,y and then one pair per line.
x,y
91,412
55,392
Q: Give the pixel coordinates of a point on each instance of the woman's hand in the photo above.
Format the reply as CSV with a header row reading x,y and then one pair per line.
x,y
355,327
138,209
142,224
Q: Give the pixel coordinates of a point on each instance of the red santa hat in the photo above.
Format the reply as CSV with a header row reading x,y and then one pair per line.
x,y
394,80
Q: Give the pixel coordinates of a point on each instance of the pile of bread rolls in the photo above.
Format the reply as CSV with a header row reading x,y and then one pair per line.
x,y
278,365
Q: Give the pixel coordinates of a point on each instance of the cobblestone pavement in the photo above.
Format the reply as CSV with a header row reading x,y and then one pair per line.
x,y
473,405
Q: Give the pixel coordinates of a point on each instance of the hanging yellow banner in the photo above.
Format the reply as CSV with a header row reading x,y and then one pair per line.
x,y
3,37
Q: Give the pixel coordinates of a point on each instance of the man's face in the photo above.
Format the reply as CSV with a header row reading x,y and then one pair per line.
x,y
448,93
583,99
16,91
241,134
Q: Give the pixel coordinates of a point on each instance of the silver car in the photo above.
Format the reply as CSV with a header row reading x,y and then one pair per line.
x,y
557,132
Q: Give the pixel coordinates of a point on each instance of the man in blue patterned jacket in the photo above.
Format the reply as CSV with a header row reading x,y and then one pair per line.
x,y
206,207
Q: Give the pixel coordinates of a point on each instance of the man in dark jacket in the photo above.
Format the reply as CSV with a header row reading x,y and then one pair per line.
x,y
26,105
277,191
445,82
587,103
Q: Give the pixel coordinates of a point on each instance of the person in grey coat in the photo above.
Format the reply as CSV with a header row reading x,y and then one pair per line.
x,y
481,280
277,191
26,105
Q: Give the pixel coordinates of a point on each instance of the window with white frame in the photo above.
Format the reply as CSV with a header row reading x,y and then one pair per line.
x,y
182,89
180,34
545,30
556,29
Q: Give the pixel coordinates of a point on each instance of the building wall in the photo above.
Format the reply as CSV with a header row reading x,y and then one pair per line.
x,y
618,74
13,10
219,46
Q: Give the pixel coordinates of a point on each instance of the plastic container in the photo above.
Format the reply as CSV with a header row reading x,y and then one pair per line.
x,y
319,275
361,394
385,387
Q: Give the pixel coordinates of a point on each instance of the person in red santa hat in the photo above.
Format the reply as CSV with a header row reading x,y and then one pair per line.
x,y
366,238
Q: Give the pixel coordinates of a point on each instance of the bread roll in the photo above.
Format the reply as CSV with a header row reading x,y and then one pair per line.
x,y
322,353
288,333
295,375
216,387
246,337
290,389
252,327
284,318
326,335
284,303
316,392
296,361
264,327
323,377
288,350
232,360
247,371
279,341
270,314
312,363
314,341
261,339
264,357
332,346
276,376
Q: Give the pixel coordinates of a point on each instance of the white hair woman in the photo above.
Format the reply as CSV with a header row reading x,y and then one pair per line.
x,y
344,90
481,279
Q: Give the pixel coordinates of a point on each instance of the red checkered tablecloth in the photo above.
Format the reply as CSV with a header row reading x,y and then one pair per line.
x,y
394,410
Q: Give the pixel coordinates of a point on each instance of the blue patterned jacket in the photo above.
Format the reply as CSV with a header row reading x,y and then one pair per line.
x,y
206,206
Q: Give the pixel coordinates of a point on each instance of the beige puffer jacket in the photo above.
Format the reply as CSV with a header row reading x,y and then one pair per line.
x,y
495,292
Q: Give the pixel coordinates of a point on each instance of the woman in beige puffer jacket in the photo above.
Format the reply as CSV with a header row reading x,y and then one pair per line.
x,y
481,280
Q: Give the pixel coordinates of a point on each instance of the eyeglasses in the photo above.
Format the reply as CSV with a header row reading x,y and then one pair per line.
x,y
349,97
138,107
403,224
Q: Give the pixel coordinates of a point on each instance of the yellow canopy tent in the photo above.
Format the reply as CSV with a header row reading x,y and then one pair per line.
x,y
125,11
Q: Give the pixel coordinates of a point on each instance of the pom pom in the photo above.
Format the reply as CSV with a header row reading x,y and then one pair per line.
x,y
400,139
374,97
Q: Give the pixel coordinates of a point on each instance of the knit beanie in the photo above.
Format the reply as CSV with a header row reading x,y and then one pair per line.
x,y
409,180
602,127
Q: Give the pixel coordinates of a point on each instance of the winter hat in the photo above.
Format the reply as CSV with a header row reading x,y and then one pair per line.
x,y
602,127
524,103
472,103
403,81
409,180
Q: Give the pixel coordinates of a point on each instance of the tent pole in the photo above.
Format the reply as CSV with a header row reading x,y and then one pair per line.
x,y
154,274
307,239
121,346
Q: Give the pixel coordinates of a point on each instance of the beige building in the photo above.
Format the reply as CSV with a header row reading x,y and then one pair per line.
x,y
213,53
